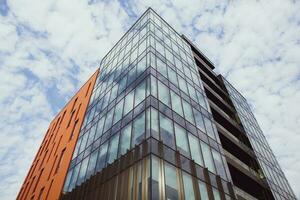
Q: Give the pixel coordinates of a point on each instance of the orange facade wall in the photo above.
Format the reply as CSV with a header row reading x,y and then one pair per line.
x,y
48,171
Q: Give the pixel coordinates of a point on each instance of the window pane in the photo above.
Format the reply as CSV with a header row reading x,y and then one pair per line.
x,y
91,136
100,128
172,76
192,92
199,120
67,182
122,84
128,102
92,164
74,177
203,190
118,111
163,94
138,129
176,103
171,182
181,140
188,186
140,93
154,123
125,139
153,86
188,113
209,128
162,68
113,148
108,120
141,66
216,194
219,164
102,156
82,172
195,149
182,84
201,100
209,163
155,178
114,92
166,131
83,142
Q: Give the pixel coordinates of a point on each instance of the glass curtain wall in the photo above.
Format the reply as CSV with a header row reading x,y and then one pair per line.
x,y
148,86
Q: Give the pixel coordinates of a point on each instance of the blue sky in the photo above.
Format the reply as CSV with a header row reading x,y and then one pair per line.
x,y
48,49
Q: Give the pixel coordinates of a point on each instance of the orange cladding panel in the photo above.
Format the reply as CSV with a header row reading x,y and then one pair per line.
x,y
48,171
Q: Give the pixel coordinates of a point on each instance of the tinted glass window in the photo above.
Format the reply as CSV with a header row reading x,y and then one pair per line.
x,y
182,141
166,131
138,132
171,182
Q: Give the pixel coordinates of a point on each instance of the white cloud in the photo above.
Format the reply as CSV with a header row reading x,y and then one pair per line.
x,y
59,44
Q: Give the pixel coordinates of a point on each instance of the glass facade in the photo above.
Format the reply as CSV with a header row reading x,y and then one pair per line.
x,y
149,86
274,175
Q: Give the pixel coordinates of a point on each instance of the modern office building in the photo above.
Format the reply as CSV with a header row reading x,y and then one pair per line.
x,y
159,124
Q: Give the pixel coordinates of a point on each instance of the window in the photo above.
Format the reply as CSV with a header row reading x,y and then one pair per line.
x,y
122,84
203,190
182,84
83,142
159,47
171,182
128,102
188,186
113,148
68,179
181,140
74,177
155,181
140,93
208,160
114,92
92,164
125,139
176,103
192,91
108,121
141,66
209,128
153,86
82,172
91,135
131,76
138,132
166,131
219,164
102,156
118,111
216,194
154,123
162,68
172,76
188,113
169,56
163,94
199,120
201,100
195,149
100,127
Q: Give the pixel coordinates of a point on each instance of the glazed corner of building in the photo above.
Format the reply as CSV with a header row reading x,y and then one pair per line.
x,y
48,171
